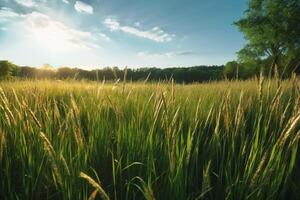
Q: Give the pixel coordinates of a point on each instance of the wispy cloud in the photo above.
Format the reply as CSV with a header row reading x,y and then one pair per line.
x,y
155,34
112,24
105,37
30,3
50,32
144,54
7,14
186,53
66,1
83,7
27,3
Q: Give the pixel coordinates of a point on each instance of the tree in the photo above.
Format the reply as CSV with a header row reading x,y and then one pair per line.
x,y
231,70
6,69
273,30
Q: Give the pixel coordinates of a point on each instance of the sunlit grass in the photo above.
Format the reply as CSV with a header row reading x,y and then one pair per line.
x,y
219,140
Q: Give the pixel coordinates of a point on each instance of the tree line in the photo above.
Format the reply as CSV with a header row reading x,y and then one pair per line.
x,y
182,75
231,70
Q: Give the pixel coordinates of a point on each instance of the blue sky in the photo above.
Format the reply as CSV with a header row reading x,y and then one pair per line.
x,y
136,33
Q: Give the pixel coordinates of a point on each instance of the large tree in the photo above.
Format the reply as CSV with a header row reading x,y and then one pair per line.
x,y
273,30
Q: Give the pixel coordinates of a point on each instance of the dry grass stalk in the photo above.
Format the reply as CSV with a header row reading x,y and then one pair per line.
x,y
77,131
258,170
284,114
93,195
149,195
78,137
37,122
157,112
209,115
292,124
51,156
6,106
2,142
276,100
65,164
56,110
260,90
97,186
5,115
239,113
124,79
16,98
75,111
296,139
226,112
218,120
147,189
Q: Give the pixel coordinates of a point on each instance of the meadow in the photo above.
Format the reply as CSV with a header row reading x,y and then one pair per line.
x,y
93,140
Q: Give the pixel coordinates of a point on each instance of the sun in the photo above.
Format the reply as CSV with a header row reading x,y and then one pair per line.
x,y
53,35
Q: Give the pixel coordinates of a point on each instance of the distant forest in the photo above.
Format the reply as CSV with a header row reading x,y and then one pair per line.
x,y
232,70
182,75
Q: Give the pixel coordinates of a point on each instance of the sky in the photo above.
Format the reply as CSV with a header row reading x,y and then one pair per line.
x,y
135,33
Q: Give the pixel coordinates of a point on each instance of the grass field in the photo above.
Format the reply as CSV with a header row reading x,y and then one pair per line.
x,y
88,140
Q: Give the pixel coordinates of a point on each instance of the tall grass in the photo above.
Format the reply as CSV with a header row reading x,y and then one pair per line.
x,y
84,140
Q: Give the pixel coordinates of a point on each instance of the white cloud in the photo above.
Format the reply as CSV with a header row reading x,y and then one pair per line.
x,y
49,32
30,3
83,7
66,1
7,14
105,37
112,24
144,54
26,3
155,34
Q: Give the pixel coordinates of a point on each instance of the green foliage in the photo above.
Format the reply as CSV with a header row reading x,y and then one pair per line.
x,y
7,69
249,69
85,140
242,70
272,29
231,70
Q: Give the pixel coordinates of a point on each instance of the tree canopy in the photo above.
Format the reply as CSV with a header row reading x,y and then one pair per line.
x,y
272,29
